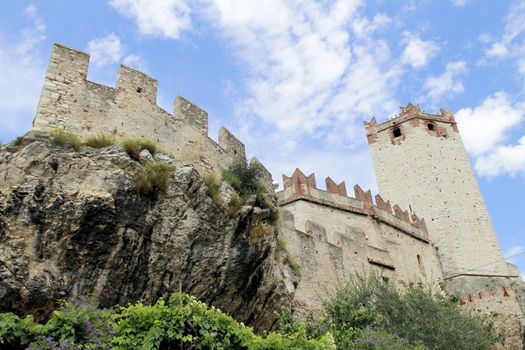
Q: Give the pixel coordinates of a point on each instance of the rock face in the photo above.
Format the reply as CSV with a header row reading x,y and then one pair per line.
x,y
72,223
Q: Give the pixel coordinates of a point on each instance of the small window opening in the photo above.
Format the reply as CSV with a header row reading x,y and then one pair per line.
x,y
430,126
139,90
397,132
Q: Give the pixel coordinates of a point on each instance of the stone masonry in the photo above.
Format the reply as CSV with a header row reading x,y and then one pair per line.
x,y
69,101
333,236
420,164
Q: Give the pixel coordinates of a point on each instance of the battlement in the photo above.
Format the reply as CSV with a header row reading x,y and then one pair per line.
x,y
432,123
496,292
69,101
302,187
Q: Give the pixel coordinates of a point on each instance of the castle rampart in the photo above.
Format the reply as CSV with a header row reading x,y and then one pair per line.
x,y
69,101
302,187
333,236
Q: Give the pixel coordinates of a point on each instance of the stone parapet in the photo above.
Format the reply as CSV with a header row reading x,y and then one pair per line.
x,y
302,187
69,101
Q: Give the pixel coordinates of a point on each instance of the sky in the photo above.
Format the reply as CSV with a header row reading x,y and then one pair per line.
x,y
294,80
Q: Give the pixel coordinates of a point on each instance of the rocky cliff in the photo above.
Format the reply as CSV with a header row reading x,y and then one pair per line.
x,y
73,223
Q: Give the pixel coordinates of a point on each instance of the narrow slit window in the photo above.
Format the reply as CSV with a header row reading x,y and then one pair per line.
x,y
397,132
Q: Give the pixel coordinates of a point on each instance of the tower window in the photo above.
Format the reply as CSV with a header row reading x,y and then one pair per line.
x,y
430,126
139,90
397,132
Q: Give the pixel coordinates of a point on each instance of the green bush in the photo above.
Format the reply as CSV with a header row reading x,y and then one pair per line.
x,y
244,178
64,138
18,141
99,140
134,146
415,314
179,323
154,177
367,313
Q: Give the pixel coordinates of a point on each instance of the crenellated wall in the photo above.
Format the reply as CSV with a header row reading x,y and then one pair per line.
x,y
69,101
333,236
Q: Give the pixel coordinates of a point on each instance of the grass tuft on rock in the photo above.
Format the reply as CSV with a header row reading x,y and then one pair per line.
x,y
63,138
260,230
154,177
213,181
99,140
134,146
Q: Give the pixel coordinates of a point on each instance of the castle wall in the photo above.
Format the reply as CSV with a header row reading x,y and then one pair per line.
x,y
69,101
332,237
505,313
429,171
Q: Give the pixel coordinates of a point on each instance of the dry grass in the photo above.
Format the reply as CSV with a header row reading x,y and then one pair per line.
x,y
213,181
134,146
64,138
99,140
235,205
260,230
296,268
155,177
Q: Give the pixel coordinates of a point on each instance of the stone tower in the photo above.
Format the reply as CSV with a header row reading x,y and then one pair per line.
x,y
420,162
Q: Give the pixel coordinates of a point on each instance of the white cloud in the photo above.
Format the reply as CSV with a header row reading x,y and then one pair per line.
x,y
136,62
314,67
109,50
164,18
497,49
460,3
512,42
105,50
447,84
485,126
485,131
21,75
505,159
417,52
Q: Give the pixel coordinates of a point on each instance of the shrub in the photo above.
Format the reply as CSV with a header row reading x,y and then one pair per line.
x,y
244,179
100,140
179,323
64,138
154,177
213,182
134,146
415,314
17,141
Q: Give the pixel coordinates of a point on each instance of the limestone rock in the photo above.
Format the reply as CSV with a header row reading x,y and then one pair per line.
x,y
72,223
145,157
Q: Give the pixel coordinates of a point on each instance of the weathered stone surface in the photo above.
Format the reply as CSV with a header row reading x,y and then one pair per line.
x,y
145,157
72,223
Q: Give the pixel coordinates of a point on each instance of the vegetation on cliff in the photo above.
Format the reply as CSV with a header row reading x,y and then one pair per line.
x,y
367,313
178,323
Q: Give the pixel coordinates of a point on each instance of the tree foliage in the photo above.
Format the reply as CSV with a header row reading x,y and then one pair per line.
x,y
179,323
367,313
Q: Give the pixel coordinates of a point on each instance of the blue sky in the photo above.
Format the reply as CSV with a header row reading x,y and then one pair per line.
x,y
294,80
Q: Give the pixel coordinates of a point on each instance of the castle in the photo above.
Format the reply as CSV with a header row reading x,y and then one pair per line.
x,y
429,224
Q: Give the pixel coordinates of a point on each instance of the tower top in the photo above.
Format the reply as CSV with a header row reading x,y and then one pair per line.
x,y
413,114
